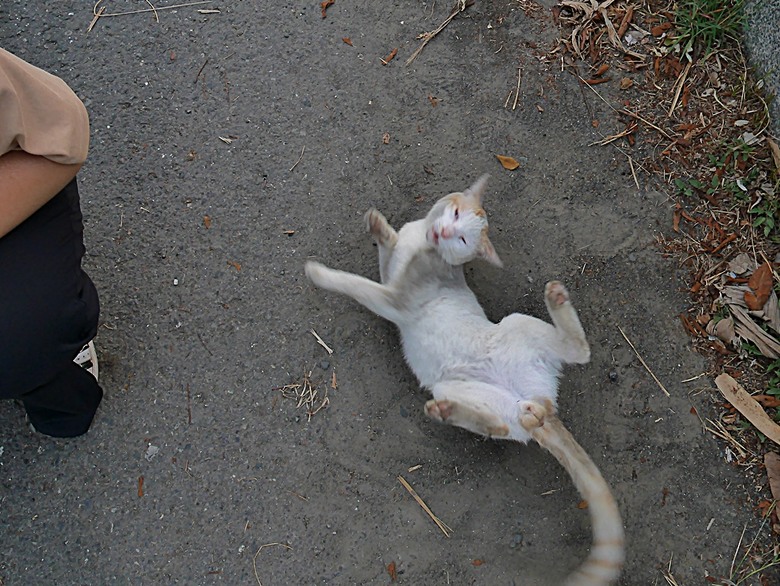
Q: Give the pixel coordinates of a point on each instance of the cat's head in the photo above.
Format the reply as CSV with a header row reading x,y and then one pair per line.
x,y
457,227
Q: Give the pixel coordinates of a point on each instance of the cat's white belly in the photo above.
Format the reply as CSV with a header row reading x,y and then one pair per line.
x,y
512,355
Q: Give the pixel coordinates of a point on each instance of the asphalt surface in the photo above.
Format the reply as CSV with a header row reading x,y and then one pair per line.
x,y
228,148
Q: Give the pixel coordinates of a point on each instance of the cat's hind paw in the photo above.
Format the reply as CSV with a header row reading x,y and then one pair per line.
x,y
555,294
533,414
438,410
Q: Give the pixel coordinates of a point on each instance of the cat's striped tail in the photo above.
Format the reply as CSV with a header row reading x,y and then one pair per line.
x,y
605,561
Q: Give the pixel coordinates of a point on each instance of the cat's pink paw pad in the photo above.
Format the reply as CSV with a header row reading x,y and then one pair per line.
x,y
532,415
438,410
556,294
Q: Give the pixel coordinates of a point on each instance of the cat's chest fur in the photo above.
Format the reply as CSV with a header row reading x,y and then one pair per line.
x,y
446,335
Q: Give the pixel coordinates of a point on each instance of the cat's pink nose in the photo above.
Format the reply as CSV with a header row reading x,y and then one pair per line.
x,y
445,233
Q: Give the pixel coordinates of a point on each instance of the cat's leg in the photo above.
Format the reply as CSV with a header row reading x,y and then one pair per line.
x,y
378,298
573,345
474,406
385,237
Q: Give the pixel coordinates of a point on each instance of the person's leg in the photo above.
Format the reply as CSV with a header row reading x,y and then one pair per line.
x,y
48,311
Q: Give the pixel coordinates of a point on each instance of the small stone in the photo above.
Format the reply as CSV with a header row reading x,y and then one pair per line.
x,y
613,376
324,365
517,540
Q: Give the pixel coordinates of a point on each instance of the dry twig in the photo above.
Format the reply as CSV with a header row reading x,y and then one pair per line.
x,y
439,523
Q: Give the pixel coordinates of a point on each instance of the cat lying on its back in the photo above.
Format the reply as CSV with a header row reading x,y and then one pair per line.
x,y
497,380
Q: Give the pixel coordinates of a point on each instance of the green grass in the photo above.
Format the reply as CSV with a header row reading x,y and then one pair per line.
x,y
701,24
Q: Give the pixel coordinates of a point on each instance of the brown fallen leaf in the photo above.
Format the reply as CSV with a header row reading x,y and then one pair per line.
x,y
583,504
597,80
476,563
775,152
347,40
660,29
392,571
433,100
386,138
390,57
324,6
767,401
626,83
772,463
508,163
234,264
761,284
745,404
207,222
601,70
140,486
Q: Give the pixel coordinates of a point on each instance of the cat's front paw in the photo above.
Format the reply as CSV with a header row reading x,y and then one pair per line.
x,y
315,271
378,226
555,293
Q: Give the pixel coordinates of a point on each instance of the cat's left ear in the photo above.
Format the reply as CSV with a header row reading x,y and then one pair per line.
x,y
487,252
477,190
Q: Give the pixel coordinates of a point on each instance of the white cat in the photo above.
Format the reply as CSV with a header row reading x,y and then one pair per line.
x,y
497,380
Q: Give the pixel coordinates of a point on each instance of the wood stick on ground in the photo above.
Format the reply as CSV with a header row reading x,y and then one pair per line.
x,y
647,368
517,92
320,341
299,158
459,7
254,559
95,9
439,523
680,83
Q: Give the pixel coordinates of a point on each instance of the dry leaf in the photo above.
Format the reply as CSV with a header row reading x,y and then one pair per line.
x,y
234,264
583,504
745,404
390,57
775,152
508,163
761,284
324,6
347,40
767,401
391,570
626,83
433,100
386,138
207,222
772,463
476,563
657,31
140,486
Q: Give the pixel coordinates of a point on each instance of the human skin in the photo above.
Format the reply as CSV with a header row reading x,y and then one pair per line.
x,y
27,182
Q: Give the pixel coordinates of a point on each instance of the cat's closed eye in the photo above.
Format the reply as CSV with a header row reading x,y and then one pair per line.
x,y
463,239
456,213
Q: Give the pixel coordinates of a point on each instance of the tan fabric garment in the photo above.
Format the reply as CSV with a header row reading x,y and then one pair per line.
x,y
40,114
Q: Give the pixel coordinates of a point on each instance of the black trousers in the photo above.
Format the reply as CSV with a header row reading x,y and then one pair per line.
x,y
48,311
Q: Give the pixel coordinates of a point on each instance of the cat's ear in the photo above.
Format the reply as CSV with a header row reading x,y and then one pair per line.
x,y
487,252
477,190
